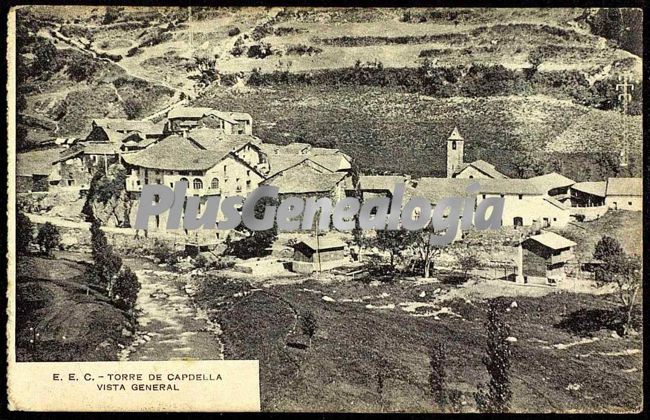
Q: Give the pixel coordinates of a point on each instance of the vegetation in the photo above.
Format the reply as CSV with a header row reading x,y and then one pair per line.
x,y
443,399
48,238
622,269
255,243
24,232
497,362
468,263
309,324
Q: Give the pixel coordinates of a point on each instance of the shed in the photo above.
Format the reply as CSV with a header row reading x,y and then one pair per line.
x,y
322,253
544,257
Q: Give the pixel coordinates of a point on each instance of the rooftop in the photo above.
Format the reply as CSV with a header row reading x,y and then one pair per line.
x,y
486,168
553,180
625,186
323,243
552,240
597,188
304,179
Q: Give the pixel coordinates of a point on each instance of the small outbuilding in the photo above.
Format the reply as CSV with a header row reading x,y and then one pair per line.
x,y
543,258
317,254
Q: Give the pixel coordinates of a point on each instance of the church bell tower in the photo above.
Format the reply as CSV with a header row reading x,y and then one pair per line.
x,y
455,146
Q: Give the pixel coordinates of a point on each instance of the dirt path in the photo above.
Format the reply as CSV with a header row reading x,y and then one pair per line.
x,y
170,326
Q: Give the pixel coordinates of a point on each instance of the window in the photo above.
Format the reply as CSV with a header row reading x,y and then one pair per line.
x,y
629,203
184,173
518,221
248,173
483,196
248,184
214,184
501,195
555,219
521,196
197,184
453,145
471,177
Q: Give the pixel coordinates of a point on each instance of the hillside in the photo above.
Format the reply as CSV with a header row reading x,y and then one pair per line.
x,y
386,130
531,81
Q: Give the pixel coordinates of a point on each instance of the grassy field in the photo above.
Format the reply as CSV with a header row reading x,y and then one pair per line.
x,y
354,342
72,322
387,130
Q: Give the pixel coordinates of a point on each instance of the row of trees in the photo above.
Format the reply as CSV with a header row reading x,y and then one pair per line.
x,y
108,271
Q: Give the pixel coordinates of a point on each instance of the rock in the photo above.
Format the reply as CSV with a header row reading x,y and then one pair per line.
x,y
328,299
615,335
438,290
511,339
422,294
159,294
146,338
573,387
514,304
126,333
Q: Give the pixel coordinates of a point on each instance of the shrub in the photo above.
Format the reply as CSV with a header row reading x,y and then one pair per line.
x,y
24,232
497,362
163,252
133,51
132,108
126,288
48,238
309,324
259,50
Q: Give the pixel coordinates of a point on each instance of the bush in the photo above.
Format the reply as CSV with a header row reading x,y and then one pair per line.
x,y
234,31
309,324
259,50
133,51
126,288
24,233
48,238
163,252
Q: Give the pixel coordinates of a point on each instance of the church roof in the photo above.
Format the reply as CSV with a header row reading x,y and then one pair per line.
x,y
485,167
455,135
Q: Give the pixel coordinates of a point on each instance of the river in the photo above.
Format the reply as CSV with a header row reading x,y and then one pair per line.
x,y
170,326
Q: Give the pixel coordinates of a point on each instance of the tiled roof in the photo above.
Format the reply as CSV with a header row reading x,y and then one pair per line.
x,y
188,112
120,124
180,153
214,139
303,179
380,182
597,188
330,162
625,186
553,180
485,167
323,243
435,189
284,161
552,240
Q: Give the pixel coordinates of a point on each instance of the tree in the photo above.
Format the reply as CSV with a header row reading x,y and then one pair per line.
x,y
437,375
622,269
421,245
497,362
107,263
48,238
126,287
309,324
111,15
607,248
24,232
468,263
256,242
395,242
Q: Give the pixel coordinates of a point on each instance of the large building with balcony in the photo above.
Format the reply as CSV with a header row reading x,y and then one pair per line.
x,y
207,160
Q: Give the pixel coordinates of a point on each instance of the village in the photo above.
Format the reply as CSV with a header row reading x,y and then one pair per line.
x,y
372,109
216,154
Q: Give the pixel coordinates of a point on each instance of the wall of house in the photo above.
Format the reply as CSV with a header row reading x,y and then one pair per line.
x,y
625,202
531,209
77,172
